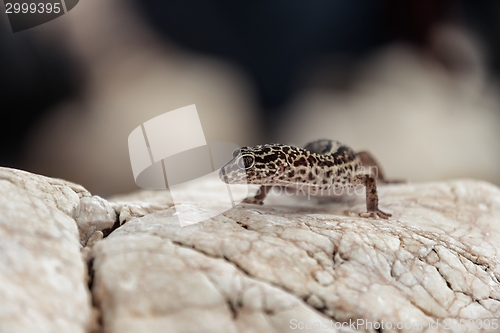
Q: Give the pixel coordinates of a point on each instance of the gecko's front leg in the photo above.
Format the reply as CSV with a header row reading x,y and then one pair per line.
x,y
258,199
371,197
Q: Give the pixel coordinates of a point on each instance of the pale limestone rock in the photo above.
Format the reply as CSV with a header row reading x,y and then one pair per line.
x,y
94,214
43,279
294,263
140,203
162,286
297,261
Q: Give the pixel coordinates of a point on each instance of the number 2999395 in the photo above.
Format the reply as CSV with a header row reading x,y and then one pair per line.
x,y
32,7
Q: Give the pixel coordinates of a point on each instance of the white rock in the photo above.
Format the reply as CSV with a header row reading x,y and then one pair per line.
x,y
93,214
43,279
290,265
256,268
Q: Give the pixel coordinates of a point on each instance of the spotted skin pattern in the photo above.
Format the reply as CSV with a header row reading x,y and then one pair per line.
x,y
318,167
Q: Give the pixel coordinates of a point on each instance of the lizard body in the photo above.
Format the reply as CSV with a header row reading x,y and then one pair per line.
x,y
319,166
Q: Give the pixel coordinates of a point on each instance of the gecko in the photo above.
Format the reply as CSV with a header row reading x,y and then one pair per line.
x,y
320,166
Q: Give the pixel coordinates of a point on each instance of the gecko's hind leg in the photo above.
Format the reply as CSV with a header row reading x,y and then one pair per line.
x,y
372,167
371,197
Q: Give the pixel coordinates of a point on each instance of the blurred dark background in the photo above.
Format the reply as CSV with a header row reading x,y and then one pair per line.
x,y
272,43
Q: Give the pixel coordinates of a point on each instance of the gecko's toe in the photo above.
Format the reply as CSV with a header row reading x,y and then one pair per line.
x,y
393,181
376,215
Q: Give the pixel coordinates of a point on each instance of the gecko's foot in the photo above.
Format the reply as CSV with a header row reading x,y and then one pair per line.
x,y
392,181
378,214
253,201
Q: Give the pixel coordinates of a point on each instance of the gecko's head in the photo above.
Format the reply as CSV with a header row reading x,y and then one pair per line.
x,y
255,165
240,169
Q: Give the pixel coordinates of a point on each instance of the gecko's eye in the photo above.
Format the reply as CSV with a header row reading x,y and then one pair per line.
x,y
246,161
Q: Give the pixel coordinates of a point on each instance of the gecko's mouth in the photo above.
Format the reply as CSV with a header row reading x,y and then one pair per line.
x,y
222,175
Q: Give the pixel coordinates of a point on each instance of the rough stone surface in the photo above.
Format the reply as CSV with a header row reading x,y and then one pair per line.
x,y
93,214
294,263
270,268
43,279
